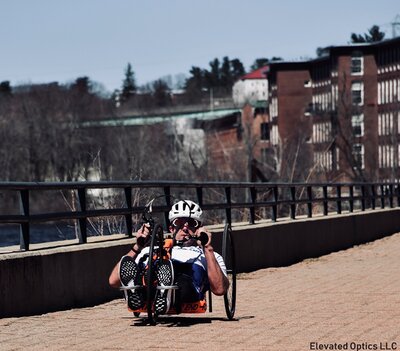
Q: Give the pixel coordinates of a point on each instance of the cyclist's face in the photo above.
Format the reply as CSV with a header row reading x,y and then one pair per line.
x,y
187,227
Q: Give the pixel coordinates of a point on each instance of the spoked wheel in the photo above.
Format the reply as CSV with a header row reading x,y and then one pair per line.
x,y
228,254
155,252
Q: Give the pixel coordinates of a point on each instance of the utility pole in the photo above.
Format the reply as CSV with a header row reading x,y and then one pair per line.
x,y
395,23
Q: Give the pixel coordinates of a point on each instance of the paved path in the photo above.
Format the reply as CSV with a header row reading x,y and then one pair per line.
x,y
351,298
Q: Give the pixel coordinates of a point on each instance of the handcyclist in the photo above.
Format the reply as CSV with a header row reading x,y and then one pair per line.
x,y
193,266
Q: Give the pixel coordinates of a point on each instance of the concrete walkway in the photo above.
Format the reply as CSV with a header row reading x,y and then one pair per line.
x,y
346,300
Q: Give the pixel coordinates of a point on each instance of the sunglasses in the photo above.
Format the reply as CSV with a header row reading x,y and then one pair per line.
x,y
189,222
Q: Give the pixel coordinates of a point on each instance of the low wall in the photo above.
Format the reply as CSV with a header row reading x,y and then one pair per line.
x,y
285,243
54,279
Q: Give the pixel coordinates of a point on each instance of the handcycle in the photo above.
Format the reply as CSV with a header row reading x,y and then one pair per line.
x,y
159,247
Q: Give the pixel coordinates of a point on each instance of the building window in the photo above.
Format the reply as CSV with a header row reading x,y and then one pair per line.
x,y
357,63
398,154
275,135
274,107
357,92
398,88
323,160
358,154
264,131
386,92
379,93
327,160
385,124
335,94
398,122
386,156
322,132
357,125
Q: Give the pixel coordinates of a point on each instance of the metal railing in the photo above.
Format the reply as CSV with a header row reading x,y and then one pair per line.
x,y
255,201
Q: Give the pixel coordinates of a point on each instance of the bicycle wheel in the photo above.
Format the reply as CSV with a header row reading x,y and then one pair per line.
x,y
228,254
155,253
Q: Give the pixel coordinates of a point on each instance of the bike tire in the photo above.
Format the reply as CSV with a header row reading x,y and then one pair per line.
x,y
228,254
155,252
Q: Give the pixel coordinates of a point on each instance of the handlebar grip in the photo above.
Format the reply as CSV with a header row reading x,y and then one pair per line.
x,y
141,241
203,238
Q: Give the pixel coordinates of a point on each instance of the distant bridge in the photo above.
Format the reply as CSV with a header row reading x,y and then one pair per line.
x,y
173,116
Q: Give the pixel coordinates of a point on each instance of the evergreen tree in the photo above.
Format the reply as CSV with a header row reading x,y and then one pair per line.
x,y
5,88
195,84
374,35
226,79
220,77
214,75
129,85
161,93
237,69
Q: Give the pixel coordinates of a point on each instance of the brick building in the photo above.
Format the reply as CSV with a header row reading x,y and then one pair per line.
x,y
238,145
334,118
354,109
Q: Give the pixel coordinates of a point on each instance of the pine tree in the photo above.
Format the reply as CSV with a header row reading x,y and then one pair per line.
x,y
129,85
5,88
374,34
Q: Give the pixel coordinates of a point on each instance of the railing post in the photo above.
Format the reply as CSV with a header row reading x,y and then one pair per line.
x,y
339,199
275,205
24,236
382,195
128,217
325,194
391,195
253,195
397,191
293,202
309,203
362,197
167,193
82,221
373,196
228,210
351,200
199,192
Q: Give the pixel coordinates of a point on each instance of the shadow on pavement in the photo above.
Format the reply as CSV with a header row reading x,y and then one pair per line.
x,y
175,321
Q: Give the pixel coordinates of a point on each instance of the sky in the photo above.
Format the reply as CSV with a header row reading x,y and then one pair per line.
x,y
43,41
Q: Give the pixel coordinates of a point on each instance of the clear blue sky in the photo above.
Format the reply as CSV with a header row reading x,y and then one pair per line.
x,y
60,40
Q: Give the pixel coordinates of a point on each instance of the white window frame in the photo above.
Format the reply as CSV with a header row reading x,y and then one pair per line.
x,y
357,63
386,156
358,121
274,135
357,87
359,153
379,93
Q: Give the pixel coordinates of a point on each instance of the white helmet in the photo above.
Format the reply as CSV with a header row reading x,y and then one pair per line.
x,y
185,208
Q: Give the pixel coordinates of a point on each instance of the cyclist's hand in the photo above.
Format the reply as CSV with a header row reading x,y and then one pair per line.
x,y
143,234
204,236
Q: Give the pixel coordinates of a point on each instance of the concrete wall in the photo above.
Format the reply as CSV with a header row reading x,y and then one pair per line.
x,y
285,243
48,280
